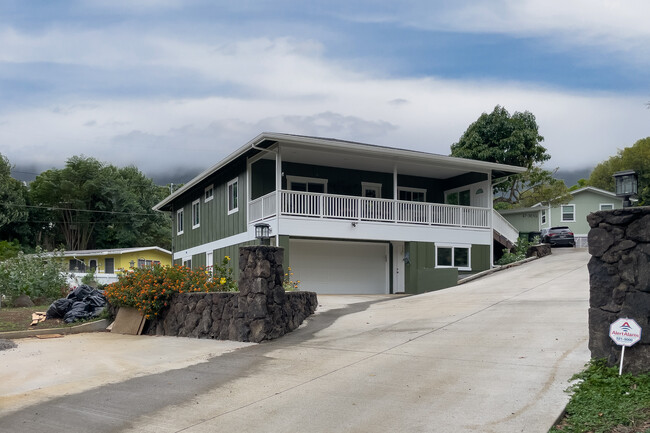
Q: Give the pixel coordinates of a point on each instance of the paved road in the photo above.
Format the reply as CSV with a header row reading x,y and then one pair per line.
x,y
493,355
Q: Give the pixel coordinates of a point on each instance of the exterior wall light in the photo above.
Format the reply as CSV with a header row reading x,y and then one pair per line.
x,y
263,233
626,185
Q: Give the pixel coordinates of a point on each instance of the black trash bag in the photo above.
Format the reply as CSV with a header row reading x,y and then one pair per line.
x,y
84,302
78,311
80,293
58,308
96,299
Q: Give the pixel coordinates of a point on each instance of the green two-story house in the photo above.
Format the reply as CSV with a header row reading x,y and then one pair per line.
x,y
352,218
573,214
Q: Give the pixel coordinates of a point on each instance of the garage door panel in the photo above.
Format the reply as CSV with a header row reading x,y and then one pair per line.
x,y
340,267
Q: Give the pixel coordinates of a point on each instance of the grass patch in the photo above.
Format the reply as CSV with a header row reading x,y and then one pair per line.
x,y
20,319
604,402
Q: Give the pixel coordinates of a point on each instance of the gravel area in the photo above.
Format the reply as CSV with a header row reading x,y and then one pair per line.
x,y
6,344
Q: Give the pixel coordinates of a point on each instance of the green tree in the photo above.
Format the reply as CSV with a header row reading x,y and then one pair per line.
x,y
539,186
515,140
635,157
95,205
12,196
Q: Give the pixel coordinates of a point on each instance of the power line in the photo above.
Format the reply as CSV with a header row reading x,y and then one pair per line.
x,y
79,210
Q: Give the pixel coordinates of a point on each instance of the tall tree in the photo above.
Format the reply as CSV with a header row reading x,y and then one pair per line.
x,y
514,140
101,206
13,201
635,157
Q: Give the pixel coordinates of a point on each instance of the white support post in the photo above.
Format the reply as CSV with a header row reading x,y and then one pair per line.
x,y
278,198
490,203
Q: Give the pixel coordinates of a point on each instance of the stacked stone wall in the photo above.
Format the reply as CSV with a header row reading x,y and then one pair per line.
x,y
619,280
261,310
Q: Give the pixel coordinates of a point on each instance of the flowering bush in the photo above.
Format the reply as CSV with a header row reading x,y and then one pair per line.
x,y
288,284
150,289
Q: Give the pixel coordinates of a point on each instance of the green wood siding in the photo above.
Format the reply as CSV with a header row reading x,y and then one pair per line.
x,y
262,178
525,222
231,251
585,203
341,181
480,257
348,182
422,275
215,223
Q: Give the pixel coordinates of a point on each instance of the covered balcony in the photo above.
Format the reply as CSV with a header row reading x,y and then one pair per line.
x,y
368,209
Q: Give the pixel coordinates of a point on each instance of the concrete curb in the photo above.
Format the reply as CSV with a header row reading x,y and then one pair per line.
x,y
96,326
496,269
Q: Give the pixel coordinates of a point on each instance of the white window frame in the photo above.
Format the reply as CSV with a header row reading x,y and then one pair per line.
x,y
196,214
209,189
562,213
180,221
542,217
234,208
371,185
209,266
453,256
408,188
600,206
307,180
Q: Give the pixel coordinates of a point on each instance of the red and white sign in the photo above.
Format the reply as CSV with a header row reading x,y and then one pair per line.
x,y
625,332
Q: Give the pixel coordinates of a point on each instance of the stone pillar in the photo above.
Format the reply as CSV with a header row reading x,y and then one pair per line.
x,y
619,280
261,295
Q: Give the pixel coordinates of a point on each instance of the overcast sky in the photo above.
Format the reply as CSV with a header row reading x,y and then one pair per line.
x,y
175,85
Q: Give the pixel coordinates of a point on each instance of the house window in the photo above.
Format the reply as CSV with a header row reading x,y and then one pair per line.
x,y
459,197
543,216
77,265
143,263
233,196
196,213
92,264
568,213
450,256
412,194
187,263
109,265
372,190
307,184
179,221
606,206
209,194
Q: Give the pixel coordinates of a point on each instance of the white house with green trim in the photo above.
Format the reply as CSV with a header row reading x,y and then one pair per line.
x,y
352,218
572,214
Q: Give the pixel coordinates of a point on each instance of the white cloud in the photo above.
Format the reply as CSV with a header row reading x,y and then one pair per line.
x,y
614,25
285,86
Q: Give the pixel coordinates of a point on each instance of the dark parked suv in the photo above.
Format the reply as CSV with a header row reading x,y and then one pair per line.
x,y
559,236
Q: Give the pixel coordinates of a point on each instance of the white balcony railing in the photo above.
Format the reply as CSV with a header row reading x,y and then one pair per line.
x,y
315,205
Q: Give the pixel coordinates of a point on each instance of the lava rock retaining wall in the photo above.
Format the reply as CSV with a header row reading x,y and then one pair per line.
x,y
261,310
619,280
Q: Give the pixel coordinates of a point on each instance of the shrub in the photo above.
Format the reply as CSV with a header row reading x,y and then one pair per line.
x,y
149,290
38,275
518,253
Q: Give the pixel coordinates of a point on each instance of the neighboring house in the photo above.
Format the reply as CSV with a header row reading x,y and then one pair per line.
x,y
351,217
106,264
572,214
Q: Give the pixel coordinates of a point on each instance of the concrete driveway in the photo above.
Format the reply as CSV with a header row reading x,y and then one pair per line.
x,y
492,355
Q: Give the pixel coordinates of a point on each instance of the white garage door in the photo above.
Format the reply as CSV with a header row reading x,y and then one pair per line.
x,y
330,267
